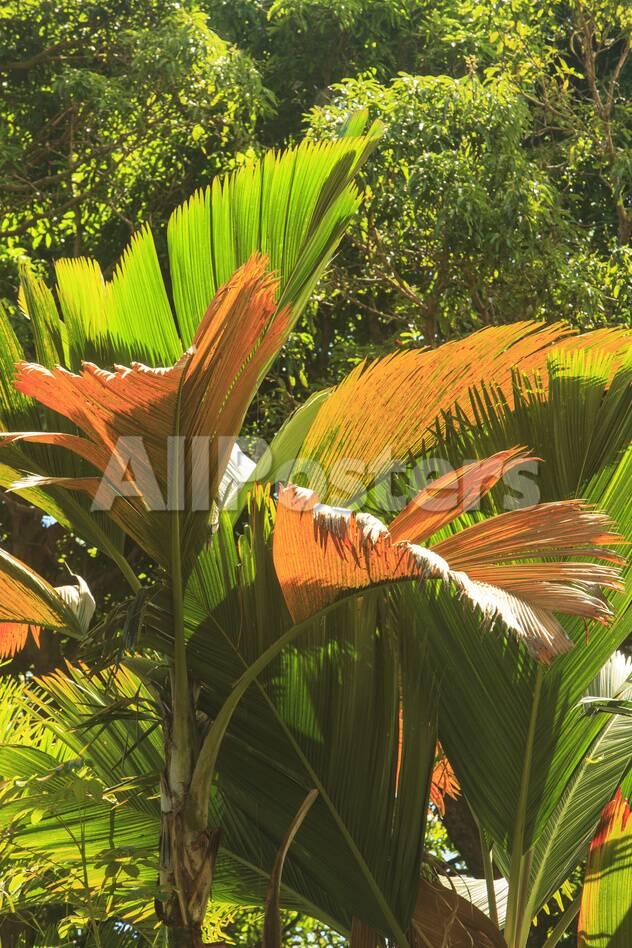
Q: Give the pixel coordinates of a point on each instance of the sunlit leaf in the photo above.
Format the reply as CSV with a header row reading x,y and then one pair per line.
x,y
323,552
605,918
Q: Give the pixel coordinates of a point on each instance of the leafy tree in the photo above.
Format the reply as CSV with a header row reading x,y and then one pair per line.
x,y
604,917
533,62
303,47
459,227
510,153
571,63
111,114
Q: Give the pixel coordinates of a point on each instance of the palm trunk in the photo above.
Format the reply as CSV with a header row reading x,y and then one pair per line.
x,y
188,852
187,872
188,847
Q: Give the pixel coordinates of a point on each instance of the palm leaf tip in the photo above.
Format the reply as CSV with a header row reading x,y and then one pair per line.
x,y
614,818
448,496
322,553
604,915
444,782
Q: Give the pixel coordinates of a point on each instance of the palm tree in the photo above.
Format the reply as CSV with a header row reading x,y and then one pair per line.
x,y
280,639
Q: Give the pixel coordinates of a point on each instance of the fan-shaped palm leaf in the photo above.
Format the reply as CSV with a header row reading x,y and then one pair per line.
x,y
414,394
128,416
322,552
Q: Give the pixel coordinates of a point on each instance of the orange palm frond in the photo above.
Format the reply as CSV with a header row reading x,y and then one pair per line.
x,y
562,528
604,915
444,782
82,447
14,635
450,495
321,553
203,396
388,409
107,406
611,341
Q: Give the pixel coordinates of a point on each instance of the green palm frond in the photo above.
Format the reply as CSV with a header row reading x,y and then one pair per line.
x,y
564,841
293,206
605,920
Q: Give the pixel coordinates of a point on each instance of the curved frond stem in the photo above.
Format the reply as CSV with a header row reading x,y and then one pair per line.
x,y
179,762
488,868
565,919
520,863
